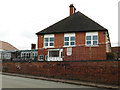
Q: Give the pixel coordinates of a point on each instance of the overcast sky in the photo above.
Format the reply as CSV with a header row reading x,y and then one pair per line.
x,y
21,19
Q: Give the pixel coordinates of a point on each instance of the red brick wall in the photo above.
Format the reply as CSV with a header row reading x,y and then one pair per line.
x,y
80,38
92,71
59,40
102,37
79,52
86,53
116,51
40,41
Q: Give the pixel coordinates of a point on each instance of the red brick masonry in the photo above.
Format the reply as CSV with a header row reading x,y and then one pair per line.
x,y
107,72
80,51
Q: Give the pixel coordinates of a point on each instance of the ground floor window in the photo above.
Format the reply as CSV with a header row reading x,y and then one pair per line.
x,y
55,55
41,57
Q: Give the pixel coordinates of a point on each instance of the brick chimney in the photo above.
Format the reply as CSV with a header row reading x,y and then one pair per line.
x,y
72,9
33,46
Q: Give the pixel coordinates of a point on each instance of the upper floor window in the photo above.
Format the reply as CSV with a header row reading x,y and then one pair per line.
x,y
69,39
92,38
49,40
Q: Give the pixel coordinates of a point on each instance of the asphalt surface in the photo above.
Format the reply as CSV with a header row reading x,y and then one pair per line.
x,y
20,82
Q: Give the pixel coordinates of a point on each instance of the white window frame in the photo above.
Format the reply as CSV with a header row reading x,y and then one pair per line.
x,y
53,50
46,57
41,59
55,58
92,34
48,36
69,35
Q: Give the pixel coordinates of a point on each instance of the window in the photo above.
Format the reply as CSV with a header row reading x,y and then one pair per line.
x,y
48,40
24,55
69,39
36,54
53,53
28,55
33,54
92,38
41,58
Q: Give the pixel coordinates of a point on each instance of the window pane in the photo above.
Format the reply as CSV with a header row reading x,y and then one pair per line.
x,y
46,44
94,42
66,38
45,39
41,57
66,43
51,39
72,38
29,55
88,37
53,53
88,42
72,43
95,37
51,44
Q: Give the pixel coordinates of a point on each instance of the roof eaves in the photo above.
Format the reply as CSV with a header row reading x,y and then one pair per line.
x,y
71,32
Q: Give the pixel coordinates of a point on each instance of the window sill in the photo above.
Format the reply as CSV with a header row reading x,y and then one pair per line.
x,y
49,47
40,60
92,45
69,46
54,61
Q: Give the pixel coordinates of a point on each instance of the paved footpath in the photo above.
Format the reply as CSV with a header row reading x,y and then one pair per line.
x,y
24,81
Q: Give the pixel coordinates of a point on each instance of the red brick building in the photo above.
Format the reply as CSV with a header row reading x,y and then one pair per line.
x,y
76,37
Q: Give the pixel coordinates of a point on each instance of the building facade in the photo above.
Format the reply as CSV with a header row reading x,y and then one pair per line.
x,y
76,37
6,49
19,55
28,54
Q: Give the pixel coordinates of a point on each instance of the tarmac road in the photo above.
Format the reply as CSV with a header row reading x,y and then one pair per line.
x,y
20,82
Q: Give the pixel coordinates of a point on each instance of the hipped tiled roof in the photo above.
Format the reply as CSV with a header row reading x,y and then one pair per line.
x,y
77,22
6,46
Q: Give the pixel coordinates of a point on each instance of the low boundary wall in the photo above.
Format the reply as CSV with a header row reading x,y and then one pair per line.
x,y
95,71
